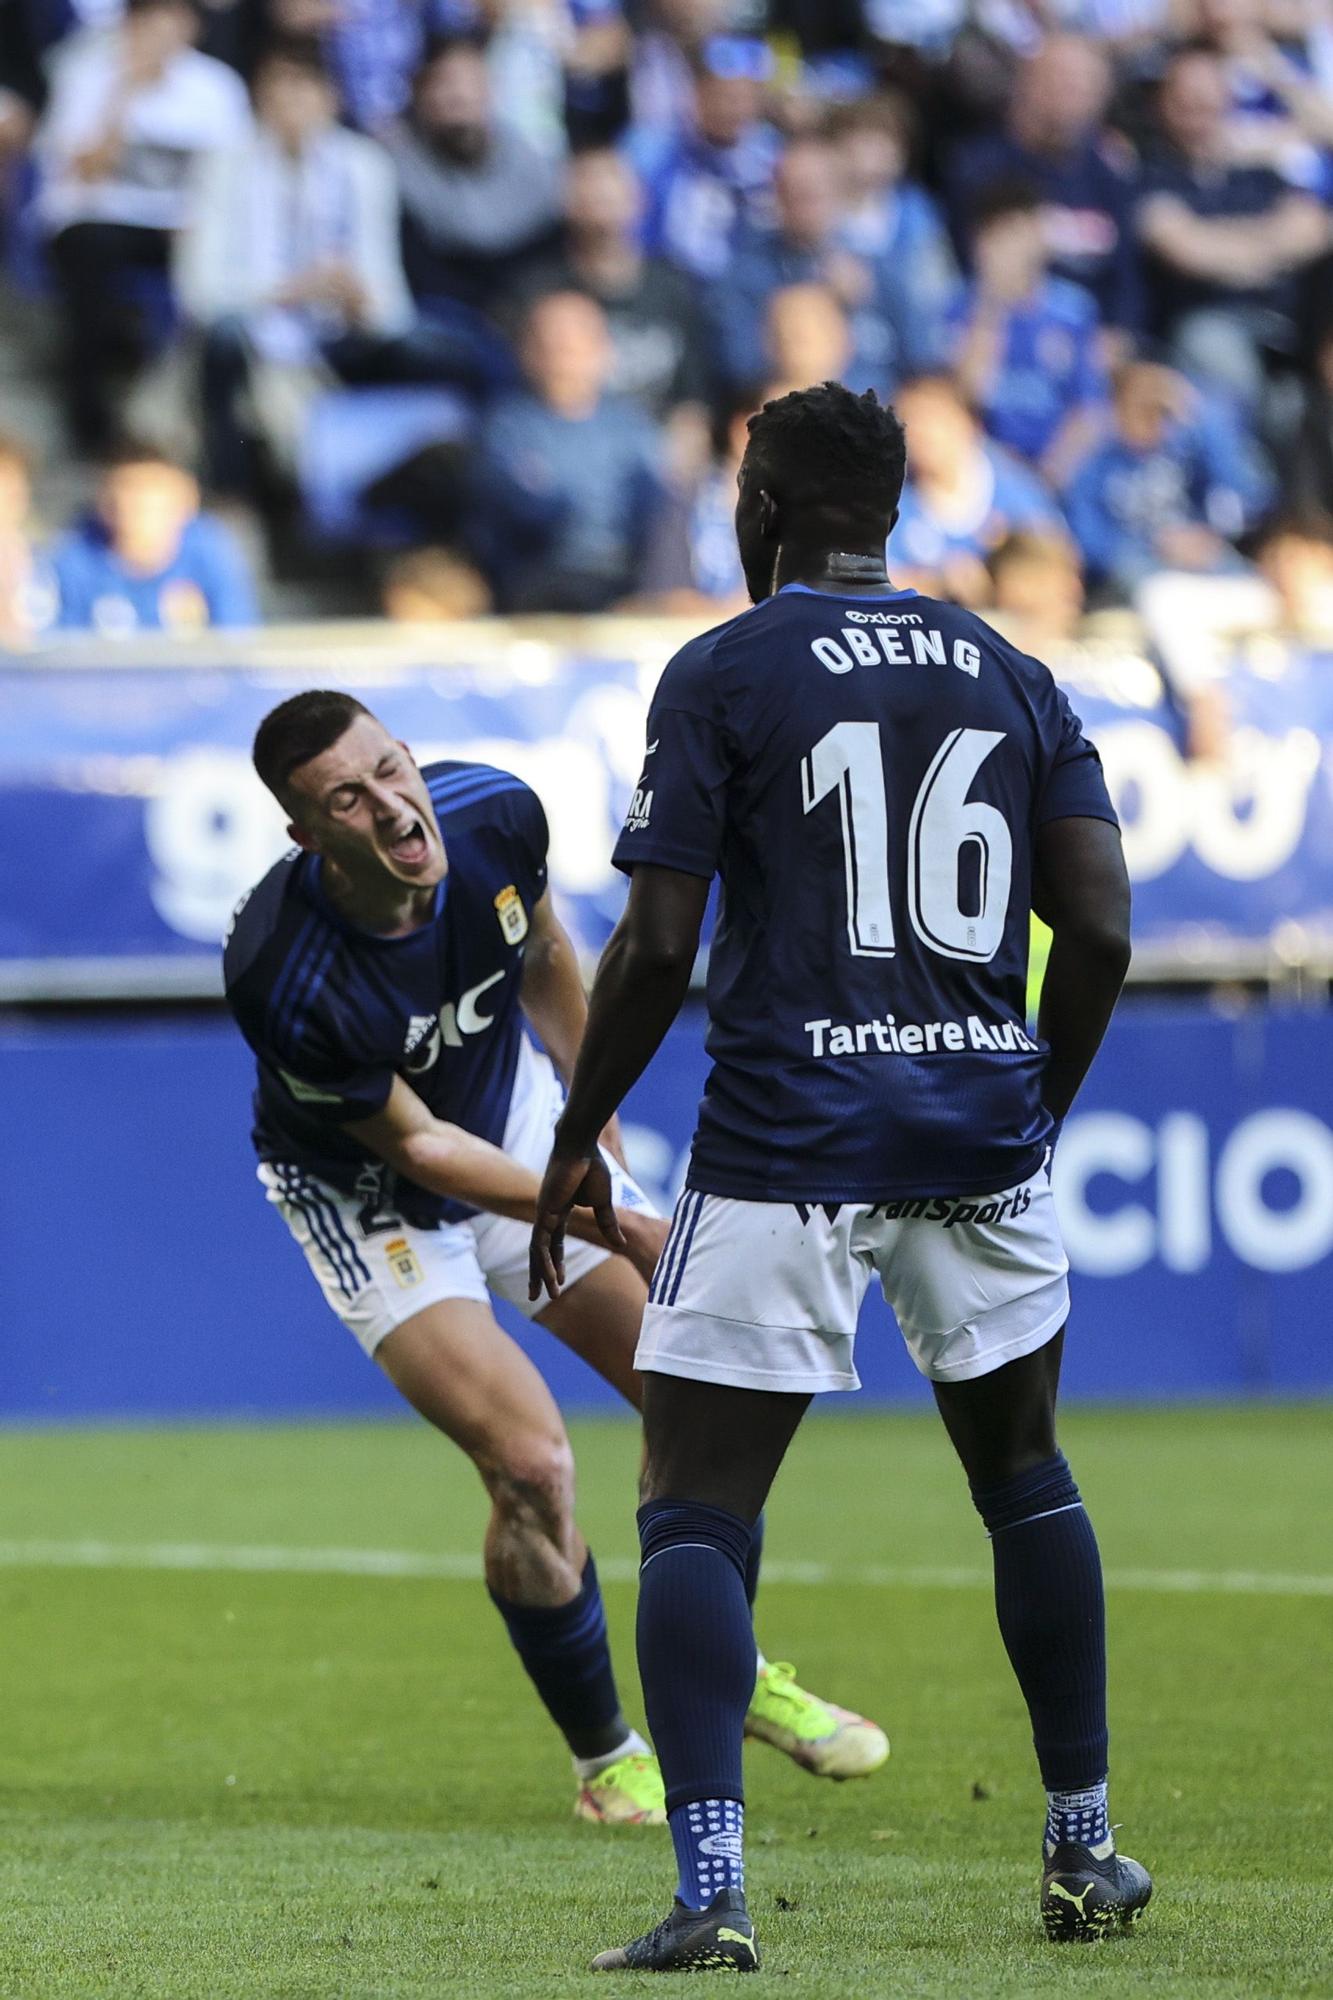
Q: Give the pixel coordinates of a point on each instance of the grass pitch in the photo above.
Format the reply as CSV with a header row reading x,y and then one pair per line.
x,y
223,1782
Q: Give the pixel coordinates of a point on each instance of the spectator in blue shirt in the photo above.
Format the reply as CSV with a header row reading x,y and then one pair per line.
x,y
708,184
1025,344
1170,488
888,217
569,481
1225,242
144,559
963,496
1055,137
889,338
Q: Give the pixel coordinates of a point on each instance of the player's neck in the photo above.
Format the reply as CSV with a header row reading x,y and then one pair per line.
x,y
382,905
831,569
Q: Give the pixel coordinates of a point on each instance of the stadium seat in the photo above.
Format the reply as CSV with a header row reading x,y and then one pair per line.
x,y
352,438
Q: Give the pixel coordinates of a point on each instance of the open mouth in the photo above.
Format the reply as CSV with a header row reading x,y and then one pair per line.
x,y
410,847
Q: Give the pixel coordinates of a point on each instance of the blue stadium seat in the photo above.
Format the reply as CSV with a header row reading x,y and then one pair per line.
x,y
355,436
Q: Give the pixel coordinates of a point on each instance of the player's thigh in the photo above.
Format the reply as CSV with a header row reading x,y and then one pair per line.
x,y
751,1312
416,1302
598,1318
459,1369
1003,1424
722,1446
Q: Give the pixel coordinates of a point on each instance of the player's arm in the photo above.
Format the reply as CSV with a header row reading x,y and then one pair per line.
x,y
1081,889
446,1160
640,986
552,997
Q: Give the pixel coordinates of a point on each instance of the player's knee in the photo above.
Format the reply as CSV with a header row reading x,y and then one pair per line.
x,y
531,1481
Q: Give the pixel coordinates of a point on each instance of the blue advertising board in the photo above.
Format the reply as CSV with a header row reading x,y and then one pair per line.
x,y
143,1275
132,823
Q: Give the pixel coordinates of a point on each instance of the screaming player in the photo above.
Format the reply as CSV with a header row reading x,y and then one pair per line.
x,y
381,973
886,788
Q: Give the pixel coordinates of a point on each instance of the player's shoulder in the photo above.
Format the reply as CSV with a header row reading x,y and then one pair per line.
x,y
278,937
468,797
1030,677
264,916
456,787
695,669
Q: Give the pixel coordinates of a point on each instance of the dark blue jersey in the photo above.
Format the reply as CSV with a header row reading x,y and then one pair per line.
x,y
866,774
333,1013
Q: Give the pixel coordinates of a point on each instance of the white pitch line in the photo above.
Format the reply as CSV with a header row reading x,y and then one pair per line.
x,y
279,1560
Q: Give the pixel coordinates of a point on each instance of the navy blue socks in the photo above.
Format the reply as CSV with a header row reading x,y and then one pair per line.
x,y
697,1666
1048,1598
564,1648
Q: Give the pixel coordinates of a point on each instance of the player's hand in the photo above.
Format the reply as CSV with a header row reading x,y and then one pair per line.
x,y
569,1181
645,1239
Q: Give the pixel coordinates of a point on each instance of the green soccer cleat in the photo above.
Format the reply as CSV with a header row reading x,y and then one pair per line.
x,y
828,1741
1083,1898
718,1939
627,1793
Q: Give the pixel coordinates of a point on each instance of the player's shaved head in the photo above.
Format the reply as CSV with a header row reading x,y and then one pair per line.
x,y
823,471
297,730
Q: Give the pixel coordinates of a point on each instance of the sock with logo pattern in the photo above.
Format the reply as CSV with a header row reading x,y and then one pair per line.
x,y
697,1666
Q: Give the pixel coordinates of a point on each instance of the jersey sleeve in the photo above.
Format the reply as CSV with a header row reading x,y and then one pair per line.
x,y
677,814
328,1080
530,837
1075,786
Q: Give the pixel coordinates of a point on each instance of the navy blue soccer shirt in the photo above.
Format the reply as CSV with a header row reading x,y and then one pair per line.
x,y
866,773
333,1012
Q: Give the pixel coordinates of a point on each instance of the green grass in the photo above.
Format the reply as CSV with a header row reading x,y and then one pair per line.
x,y
220,1784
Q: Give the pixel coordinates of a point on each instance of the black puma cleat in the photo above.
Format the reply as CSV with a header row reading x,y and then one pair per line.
x,y
1083,1898
718,1939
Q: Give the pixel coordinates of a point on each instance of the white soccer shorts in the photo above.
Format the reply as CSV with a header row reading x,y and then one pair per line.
x,y
376,1278
765,1294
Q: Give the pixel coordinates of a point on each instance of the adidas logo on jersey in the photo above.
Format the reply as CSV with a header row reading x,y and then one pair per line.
x,y
418,1028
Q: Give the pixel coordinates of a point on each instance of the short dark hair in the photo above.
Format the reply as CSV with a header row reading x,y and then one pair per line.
x,y
999,199
451,42
299,52
831,456
128,450
299,729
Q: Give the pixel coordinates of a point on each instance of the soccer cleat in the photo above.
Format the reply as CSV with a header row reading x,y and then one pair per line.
x,y
828,1741
627,1793
718,1939
1083,1898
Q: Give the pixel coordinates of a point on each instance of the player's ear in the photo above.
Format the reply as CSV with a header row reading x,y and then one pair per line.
x,y
299,837
894,522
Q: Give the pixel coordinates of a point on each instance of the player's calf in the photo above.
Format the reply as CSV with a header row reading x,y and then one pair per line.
x,y
543,1582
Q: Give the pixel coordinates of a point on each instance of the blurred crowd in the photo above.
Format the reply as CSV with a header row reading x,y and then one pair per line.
x,y
478,294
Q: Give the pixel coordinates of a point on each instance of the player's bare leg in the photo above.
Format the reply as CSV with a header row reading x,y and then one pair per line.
x,y
1049,1601
598,1319
456,1367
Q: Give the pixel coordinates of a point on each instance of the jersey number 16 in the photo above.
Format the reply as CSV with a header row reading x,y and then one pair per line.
x,y
948,833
